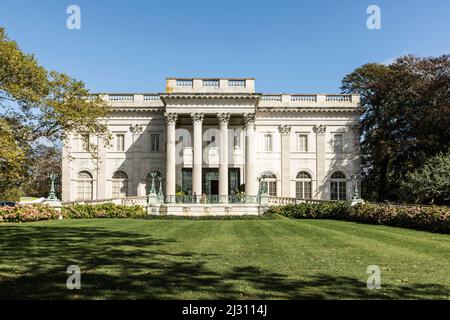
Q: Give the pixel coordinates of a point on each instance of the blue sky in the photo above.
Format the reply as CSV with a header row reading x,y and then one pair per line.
x,y
288,46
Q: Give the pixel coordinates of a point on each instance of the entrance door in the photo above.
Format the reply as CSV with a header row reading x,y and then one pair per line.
x,y
214,187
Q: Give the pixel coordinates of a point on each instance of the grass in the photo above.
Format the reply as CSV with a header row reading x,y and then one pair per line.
x,y
236,259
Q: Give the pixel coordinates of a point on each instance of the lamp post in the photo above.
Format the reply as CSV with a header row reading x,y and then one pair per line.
x,y
160,193
356,177
152,188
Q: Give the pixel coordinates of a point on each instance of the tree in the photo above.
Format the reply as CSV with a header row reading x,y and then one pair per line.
x,y
46,159
406,119
48,104
430,183
41,106
12,164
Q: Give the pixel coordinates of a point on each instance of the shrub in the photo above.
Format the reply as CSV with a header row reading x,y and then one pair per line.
x,y
436,219
106,210
27,213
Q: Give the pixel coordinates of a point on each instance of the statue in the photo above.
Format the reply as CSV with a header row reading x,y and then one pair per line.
x,y
52,195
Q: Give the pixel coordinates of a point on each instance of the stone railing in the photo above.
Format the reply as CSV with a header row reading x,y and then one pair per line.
x,y
121,97
271,97
289,200
212,199
338,97
304,97
151,97
281,200
97,201
309,100
132,201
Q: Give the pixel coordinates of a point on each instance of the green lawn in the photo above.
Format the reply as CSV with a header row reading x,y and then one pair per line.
x,y
237,259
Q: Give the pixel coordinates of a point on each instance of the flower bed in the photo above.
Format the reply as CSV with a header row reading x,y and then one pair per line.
x,y
28,213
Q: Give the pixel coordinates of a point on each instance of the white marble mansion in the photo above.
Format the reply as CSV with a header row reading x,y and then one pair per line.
x,y
218,139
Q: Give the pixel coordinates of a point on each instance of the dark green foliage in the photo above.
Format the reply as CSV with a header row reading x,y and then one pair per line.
x,y
406,119
434,218
430,183
107,210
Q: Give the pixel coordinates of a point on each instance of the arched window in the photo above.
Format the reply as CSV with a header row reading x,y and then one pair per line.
x,y
303,185
85,185
269,183
157,183
338,186
119,185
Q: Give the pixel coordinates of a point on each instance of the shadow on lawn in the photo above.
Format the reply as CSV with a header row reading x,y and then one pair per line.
x,y
118,264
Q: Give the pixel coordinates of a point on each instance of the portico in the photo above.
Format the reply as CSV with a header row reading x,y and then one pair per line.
x,y
209,177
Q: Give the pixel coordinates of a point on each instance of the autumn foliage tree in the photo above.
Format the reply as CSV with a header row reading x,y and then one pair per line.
x,y
39,106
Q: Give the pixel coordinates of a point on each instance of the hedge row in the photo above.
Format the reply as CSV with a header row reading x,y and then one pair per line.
x,y
106,210
77,211
435,219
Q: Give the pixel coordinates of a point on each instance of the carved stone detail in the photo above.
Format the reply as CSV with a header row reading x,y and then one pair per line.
x,y
197,117
136,128
224,118
285,129
320,129
171,118
249,118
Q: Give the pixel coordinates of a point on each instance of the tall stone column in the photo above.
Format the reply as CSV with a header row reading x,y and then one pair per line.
x,y
137,170
171,119
285,131
320,161
224,119
197,120
65,179
101,169
251,187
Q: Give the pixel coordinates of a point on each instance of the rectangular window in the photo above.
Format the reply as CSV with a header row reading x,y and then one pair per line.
x,y
85,143
302,144
154,138
268,142
338,143
120,142
338,190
